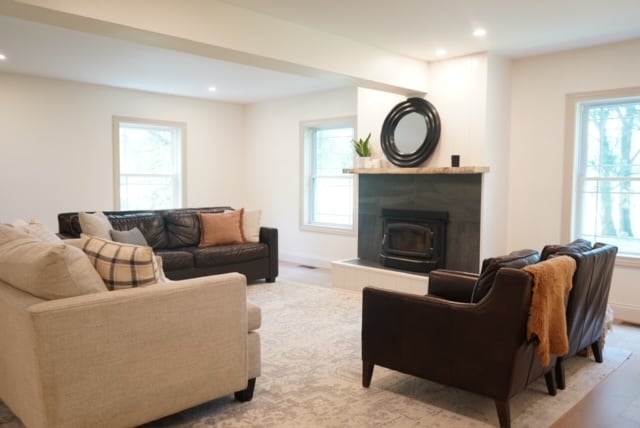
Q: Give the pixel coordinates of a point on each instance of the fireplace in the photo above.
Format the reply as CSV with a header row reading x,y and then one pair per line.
x,y
413,240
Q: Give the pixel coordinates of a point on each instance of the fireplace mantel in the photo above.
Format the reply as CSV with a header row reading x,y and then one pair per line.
x,y
420,171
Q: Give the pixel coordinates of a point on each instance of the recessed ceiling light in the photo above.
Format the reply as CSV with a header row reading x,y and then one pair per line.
x,y
441,52
2,57
479,32
212,88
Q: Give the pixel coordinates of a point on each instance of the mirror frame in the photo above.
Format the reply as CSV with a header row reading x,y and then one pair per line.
x,y
387,136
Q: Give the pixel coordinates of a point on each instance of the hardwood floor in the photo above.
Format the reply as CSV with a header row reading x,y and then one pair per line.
x,y
615,402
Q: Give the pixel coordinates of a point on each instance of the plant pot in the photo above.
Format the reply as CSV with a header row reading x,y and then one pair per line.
x,y
363,162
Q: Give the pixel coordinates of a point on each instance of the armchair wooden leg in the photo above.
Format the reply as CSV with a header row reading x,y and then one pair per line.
x,y
597,350
560,373
504,413
247,393
550,381
367,373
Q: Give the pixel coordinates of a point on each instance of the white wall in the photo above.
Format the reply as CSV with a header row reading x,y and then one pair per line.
x,y
495,184
537,145
373,108
273,175
459,93
56,146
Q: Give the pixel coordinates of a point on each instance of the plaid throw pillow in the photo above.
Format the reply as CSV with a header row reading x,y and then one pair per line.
x,y
121,265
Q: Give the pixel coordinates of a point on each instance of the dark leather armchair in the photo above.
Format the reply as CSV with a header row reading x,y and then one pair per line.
x,y
587,304
480,347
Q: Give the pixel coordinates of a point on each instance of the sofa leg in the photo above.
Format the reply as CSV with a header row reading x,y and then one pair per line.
x,y
550,381
597,350
504,413
247,393
367,373
560,382
270,279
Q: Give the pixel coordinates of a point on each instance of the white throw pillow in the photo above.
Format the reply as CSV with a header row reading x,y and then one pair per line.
x,y
45,270
96,224
251,225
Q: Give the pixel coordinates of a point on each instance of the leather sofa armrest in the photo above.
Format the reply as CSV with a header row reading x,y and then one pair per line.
x,y
452,285
269,236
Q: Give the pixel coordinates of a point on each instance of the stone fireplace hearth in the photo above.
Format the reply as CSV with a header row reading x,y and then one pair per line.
x,y
456,191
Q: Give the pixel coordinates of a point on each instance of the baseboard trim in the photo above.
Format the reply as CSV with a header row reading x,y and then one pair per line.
x,y
626,313
301,260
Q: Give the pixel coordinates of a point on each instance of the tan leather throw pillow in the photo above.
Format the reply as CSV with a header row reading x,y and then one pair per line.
x,y
221,228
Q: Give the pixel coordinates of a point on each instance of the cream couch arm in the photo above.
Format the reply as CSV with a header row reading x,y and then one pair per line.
x,y
126,357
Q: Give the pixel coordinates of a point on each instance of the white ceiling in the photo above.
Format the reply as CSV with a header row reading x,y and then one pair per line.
x,y
44,50
414,28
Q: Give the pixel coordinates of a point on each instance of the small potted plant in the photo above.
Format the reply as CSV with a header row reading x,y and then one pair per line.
x,y
363,150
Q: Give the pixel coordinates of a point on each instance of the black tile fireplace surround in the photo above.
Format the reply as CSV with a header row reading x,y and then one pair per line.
x,y
457,194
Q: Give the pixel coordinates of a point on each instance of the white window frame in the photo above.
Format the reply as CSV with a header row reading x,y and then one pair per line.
x,y
572,178
180,161
306,193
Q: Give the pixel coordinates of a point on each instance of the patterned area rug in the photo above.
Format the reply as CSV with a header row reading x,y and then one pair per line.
x,y
311,377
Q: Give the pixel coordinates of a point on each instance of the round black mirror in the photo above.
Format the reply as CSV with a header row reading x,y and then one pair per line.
x,y
410,132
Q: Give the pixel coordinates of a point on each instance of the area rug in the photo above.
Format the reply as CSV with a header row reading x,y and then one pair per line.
x,y
311,377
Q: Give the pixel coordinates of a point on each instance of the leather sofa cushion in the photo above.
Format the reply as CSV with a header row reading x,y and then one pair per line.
x,y
183,229
490,267
229,254
577,246
150,224
176,259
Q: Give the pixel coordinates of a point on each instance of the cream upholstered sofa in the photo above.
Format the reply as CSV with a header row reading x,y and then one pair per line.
x,y
120,358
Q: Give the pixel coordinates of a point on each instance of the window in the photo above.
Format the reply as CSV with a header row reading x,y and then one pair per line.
x,y
607,185
148,162
328,194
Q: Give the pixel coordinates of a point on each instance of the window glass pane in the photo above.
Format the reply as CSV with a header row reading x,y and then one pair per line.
x,y
142,192
150,166
608,184
333,199
330,193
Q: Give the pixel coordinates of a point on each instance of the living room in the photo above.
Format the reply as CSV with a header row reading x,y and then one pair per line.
x,y
57,134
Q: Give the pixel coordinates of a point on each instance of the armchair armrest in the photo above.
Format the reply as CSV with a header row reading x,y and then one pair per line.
x,y
452,285
176,344
448,341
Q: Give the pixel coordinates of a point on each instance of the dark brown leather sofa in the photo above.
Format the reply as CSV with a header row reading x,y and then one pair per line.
x,y
174,235
480,347
587,304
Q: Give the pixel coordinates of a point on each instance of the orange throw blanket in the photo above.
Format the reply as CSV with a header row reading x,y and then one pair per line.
x,y
552,281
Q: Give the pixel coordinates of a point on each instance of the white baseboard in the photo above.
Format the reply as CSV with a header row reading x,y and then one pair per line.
x,y
626,313
302,260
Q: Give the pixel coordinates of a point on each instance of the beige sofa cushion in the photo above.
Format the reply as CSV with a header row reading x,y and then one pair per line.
x,y
36,229
43,269
254,316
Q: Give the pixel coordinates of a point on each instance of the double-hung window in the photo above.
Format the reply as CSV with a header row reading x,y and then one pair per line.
x,y
328,193
148,162
607,179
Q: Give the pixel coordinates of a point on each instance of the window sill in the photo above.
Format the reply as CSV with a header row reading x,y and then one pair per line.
x,y
331,230
628,261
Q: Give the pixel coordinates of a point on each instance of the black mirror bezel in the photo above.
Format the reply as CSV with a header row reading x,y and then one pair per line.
x,y
426,148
